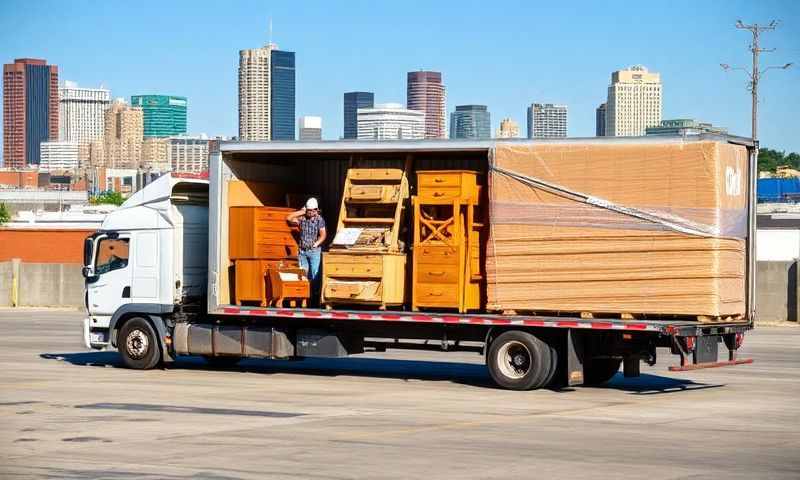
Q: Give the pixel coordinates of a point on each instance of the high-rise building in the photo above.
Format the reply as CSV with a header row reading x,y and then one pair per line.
x,y
155,154
634,102
266,94
124,133
352,102
600,120
426,93
188,154
470,121
390,121
508,129
309,128
546,120
30,110
59,156
164,115
80,112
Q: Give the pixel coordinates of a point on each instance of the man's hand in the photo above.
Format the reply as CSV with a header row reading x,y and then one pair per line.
x,y
292,217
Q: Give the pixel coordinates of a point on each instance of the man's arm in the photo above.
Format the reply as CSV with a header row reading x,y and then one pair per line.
x,y
323,234
292,217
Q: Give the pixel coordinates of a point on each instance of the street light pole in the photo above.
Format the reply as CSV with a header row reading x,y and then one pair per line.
x,y
755,73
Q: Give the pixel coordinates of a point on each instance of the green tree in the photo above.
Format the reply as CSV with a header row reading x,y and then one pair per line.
x,y
769,159
107,198
5,217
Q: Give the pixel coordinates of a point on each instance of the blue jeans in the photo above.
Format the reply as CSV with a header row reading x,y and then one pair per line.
x,y
310,262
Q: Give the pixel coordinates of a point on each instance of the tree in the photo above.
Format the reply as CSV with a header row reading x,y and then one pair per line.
x,y
768,159
5,217
107,198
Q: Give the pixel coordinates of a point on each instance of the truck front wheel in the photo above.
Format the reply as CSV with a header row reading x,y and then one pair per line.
x,y
138,344
519,361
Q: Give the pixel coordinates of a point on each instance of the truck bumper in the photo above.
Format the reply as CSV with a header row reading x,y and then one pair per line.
x,y
95,337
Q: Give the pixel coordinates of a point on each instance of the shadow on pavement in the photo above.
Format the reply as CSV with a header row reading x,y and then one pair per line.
x,y
460,373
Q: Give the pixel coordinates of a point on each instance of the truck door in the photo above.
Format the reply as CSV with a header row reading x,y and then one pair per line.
x,y
110,287
145,262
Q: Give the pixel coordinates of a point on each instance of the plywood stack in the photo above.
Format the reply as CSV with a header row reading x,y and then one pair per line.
x,y
639,229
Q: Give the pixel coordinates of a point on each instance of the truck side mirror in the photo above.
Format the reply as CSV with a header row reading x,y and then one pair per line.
x,y
87,271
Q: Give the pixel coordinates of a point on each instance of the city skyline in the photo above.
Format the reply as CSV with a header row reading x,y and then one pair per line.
x,y
381,67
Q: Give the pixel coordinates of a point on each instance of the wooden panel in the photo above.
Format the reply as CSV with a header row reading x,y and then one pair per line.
x,y
439,194
436,295
439,179
273,214
375,174
353,270
429,273
355,290
436,255
271,251
255,194
373,193
340,257
250,282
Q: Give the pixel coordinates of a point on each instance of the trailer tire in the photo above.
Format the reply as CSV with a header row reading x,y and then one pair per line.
x,y
550,379
598,371
519,361
138,344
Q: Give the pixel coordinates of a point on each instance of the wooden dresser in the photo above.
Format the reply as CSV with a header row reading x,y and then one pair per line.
x,y
366,263
446,269
260,240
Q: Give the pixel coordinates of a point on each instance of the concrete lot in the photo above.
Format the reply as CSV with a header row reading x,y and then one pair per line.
x,y
68,413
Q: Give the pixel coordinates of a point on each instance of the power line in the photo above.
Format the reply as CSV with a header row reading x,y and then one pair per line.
x,y
755,73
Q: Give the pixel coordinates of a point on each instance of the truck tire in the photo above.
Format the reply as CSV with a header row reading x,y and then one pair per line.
x,y
519,361
600,370
137,342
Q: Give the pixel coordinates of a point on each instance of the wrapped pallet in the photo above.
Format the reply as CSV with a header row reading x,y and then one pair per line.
x,y
647,228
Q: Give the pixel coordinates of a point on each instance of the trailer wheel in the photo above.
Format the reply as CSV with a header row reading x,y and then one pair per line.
x,y
222,361
138,344
598,371
519,361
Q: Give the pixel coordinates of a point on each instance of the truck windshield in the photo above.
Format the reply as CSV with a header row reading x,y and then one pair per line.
x,y
112,254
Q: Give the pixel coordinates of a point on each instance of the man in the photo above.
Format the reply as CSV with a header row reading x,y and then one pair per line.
x,y
312,235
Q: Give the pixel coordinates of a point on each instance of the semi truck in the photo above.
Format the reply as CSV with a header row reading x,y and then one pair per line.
x,y
159,280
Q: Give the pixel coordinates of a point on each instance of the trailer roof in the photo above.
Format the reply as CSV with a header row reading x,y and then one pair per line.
x,y
343,146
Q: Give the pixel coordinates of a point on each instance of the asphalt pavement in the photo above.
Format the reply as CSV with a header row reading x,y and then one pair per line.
x,y
66,413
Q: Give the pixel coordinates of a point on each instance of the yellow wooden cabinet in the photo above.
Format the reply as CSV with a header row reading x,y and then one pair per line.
x,y
362,277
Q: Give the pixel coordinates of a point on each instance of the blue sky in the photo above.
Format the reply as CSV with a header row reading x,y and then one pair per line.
x,y
505,55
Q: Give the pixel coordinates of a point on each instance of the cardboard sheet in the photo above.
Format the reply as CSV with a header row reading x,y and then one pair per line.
x,y
642,229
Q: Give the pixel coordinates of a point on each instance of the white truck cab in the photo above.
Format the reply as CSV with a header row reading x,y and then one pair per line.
x,y
150,256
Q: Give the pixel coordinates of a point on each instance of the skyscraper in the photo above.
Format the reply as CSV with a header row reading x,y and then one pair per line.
x,y
634,102
309,128
123,137
546,120
600,120
164,115
352,102
266,94
390,121
426,93
508,129
470,121
30,110
80,112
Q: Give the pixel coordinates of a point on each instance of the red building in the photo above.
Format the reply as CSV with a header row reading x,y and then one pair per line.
x,y
425,93
30,110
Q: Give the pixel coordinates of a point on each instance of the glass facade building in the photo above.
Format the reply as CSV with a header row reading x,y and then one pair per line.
x,y
164,115
352,102
470,121
282,95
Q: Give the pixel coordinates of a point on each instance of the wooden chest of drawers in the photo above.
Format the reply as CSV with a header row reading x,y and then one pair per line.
x,y
363,277
445,186
260,232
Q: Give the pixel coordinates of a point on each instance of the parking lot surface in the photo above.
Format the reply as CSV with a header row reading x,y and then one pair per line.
x,y
70,413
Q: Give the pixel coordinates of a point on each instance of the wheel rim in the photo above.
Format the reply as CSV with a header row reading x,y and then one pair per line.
x,y
514,359
137,344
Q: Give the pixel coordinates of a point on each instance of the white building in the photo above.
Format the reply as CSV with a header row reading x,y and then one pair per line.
x,y
59,156
188,154
546,120
390,121
254,93
634,102
309,128
80,112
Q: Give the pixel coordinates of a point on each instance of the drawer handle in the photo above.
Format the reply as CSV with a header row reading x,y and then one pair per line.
x,y
435,294
437,274
438,179
438,194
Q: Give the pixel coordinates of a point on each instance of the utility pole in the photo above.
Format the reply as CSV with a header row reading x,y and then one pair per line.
x,y
754,73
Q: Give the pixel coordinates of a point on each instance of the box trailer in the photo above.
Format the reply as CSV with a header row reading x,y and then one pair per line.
x,y
593,254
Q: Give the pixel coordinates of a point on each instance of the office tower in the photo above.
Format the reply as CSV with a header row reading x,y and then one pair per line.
x,y
390,121
352,102
508,129
309,128
425,93
683,127
30,110
600,120
266,94
470,121
164,115
59,156
123,136
634,102
546,120
80,112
